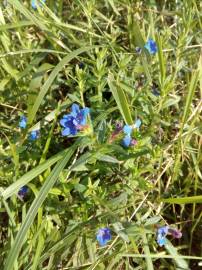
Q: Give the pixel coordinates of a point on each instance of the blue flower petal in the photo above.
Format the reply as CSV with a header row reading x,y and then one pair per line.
x,y
126,141
138,123
66,132
75,110
151,46
63,122
127,129
103,236
161,241
161,235
85,111
34,3
73,130
163,230
23,122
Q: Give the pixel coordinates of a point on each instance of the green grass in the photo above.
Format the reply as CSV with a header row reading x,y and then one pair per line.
x,y
84,52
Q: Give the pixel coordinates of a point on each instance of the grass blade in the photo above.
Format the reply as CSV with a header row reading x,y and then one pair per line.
x,y
184,200
26,178
20,238
120,99
52,77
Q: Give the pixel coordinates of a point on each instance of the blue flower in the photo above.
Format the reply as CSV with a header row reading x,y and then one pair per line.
x,y
137,124
23,122
127,140
34,3
34,135
151,46
23,192
74,121
161,235
103,236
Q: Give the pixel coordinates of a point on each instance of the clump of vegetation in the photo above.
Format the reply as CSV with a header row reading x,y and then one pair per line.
x,y
100,134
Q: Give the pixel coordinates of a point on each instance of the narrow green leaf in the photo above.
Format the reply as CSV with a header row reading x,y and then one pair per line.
x,y
21,235
39,249
120,99
52,77
191,90
177,257
184,200
26,178
147,252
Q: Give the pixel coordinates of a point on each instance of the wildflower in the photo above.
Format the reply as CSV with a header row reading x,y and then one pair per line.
x,y
74,121
138,50
103,236
151,46
34,3
127,140
34,135
163,231
23,192
161,235
23,122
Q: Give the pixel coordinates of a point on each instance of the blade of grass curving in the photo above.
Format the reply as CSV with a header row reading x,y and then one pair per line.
x,y
38,201
184,200
15,25
51,116
19,6
191,91
161,255
162,63
26,178
120,99
39,249
190,95
69,237
147,252
52,77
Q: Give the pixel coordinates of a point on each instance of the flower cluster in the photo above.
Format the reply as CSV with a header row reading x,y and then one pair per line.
x,y
34,134
163,231
127,129
103,236
75,121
